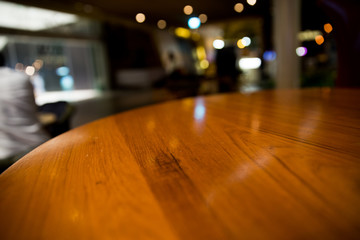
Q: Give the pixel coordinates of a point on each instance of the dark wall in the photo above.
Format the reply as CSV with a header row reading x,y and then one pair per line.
x,y
129,49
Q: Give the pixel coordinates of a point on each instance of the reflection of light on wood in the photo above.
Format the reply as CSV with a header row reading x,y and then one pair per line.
x,y
200,111
174,143
309,123
255,124
187,103
150,125
75,215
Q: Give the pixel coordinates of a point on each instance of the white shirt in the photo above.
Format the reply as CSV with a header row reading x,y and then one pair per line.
x,y
20,129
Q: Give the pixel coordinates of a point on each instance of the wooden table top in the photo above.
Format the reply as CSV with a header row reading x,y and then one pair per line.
x,y
279,164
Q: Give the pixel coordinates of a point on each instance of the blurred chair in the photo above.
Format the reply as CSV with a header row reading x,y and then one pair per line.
x,y
63,112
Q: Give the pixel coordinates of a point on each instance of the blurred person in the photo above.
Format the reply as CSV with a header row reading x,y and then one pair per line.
x,y
344,16
226,69
20,127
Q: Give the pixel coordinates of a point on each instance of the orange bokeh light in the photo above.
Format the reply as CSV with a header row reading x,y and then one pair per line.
x,y
328,28
319,39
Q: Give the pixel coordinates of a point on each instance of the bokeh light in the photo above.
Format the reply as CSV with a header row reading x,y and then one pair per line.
x,y
30,70
204,64
188,10
328,28
218,44
246,41
301,51
319,39
200,52
67,82
269,56
249,63
240,44
161,24
194,23
62,71
239,7
140,17
251,2
203,18
38,64
182,32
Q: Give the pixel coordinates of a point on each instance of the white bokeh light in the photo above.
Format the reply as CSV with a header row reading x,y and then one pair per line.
x,y
218,44
194,23
301,51
249,63
246,41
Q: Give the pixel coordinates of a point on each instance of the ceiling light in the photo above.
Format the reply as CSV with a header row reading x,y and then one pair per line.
x,y
18,16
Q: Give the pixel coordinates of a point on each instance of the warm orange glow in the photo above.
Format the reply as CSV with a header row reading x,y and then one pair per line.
x,y
161,24
239,7
328,28
188,9
240,43
203,18
140,17
182,32
319,39
200,52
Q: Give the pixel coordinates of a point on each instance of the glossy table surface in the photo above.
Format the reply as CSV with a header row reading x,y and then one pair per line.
x,y
279,164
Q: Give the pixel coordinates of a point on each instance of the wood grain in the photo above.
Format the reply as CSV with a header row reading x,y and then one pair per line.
x,y
279,164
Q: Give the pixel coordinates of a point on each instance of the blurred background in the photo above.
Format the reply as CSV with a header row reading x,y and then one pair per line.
x,y
108,56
